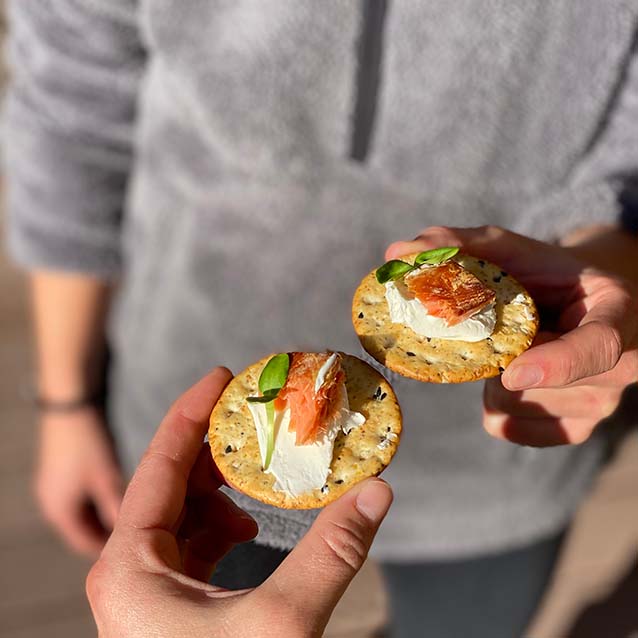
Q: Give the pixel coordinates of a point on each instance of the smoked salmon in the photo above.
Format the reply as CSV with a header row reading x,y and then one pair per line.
x,y
449,291
310,410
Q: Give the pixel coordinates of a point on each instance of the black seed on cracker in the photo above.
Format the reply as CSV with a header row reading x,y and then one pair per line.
x,y
339,481
481,263
228,449
383,396
410,354
503,273
360,315
388,429
428,339
501,369
325,489
496,279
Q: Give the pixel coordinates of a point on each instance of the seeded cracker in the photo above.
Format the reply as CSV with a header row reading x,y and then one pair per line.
x,y
400,349
364,452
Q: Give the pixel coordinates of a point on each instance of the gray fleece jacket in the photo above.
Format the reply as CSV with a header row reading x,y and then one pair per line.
x,y
238,166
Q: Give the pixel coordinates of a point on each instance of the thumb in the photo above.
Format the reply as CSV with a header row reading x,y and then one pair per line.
x,y
314,576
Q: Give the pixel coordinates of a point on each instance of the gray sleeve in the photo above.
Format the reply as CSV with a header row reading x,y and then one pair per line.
x,y
602,188
75,68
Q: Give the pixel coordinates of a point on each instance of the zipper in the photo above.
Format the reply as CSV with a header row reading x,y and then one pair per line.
x,y
369,54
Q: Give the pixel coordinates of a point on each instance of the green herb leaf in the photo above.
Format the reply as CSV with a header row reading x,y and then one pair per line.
x,y
392,270
270,443
274,374
271,380
436,255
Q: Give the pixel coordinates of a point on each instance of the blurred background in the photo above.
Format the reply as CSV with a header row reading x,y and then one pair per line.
x,y
594,592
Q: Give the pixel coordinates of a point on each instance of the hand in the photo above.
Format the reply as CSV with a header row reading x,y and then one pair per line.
x,y
572,377
78,483
174,525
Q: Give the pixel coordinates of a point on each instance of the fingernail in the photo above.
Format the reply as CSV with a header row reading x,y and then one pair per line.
x,y
374,500
524,377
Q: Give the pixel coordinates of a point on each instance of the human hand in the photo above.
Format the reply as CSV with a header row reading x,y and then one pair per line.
x,y
174,525
78,484
573,376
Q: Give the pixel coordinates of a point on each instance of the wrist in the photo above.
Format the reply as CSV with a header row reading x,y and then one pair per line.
x,y
80,403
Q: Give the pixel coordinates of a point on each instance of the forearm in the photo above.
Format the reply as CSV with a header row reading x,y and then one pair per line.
x,y
607,247
69,312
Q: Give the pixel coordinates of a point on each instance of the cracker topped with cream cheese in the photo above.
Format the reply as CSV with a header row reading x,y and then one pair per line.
x,y
297,430
461,319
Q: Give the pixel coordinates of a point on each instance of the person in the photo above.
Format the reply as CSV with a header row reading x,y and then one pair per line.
x,y
198,182
175,525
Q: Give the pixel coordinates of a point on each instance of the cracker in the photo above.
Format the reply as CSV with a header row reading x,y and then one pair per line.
x,y
364,452
400,349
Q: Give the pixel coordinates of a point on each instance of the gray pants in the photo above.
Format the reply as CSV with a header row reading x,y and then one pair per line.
x,y
488,597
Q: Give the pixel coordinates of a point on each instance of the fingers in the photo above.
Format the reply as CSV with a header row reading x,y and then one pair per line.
x,y
79,527
156,494
310,581
82,531
433,237
212,525
205,477
573,402
591,349
66,510
545,417
537,432
547,271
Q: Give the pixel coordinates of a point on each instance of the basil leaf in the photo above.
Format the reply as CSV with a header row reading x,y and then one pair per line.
x,y
271,380
436,255
270,443
274,374
392,270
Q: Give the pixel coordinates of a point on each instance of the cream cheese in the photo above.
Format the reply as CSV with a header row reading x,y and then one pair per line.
x,y
302,468
521,300
409,311
323,371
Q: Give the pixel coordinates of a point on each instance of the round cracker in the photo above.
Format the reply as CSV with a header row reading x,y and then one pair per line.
x,y
365,451
401,349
